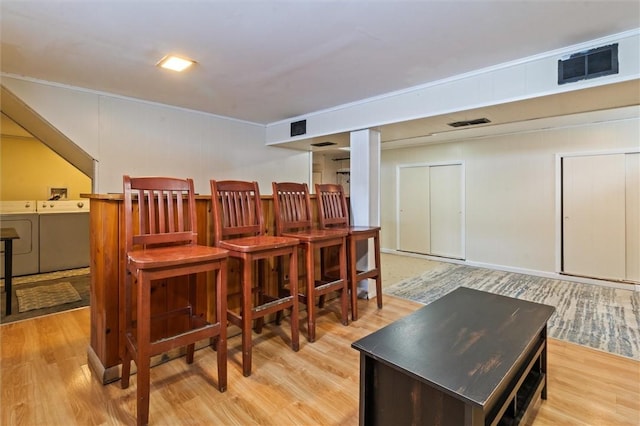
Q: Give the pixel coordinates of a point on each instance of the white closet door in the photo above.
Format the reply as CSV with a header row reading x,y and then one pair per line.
x,y
413,214
633,216
593,203
446,210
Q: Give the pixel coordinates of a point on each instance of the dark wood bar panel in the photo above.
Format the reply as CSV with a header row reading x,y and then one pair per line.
x,y
104,242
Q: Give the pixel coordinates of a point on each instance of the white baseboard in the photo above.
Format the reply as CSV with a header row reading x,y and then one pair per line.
x,y
534,272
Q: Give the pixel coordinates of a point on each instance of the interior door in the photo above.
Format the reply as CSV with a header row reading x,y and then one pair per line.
x,y
446,210
593,208
632,216
413,213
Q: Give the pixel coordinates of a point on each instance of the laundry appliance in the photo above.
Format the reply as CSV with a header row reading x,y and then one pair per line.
x,y
64,234
23,217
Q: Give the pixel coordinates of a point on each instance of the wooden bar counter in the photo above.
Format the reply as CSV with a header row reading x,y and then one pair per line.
x,y
106,240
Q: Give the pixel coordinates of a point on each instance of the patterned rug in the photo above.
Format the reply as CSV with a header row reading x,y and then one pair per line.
x,y
599,317
80,279
46,296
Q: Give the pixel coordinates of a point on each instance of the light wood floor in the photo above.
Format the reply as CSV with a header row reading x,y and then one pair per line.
x,y
45,380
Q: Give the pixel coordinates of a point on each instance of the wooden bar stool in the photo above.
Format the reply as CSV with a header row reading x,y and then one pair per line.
x,y
162,244
292,210
239,228
333,213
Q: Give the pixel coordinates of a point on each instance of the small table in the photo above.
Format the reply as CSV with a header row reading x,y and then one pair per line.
x,y
7,236
469,358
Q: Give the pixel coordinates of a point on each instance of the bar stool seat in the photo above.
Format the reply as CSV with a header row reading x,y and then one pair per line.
x,y
163,245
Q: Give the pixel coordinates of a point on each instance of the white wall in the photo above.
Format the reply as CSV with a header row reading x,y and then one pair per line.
x,y
127,136
510,185
523,79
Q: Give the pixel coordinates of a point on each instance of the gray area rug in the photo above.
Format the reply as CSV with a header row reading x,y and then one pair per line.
x,y
599,317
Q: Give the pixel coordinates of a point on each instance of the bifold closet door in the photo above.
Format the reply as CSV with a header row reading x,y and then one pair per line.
x,y
632,216
413,214
446,210
593,210
430,217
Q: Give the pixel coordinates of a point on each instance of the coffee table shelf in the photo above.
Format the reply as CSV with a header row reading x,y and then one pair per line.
x,y
526,390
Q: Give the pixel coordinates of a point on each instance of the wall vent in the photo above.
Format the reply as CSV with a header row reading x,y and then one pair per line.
x,y
321,144
298,128
469,122
588,64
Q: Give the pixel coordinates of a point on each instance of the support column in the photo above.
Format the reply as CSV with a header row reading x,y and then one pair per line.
x,y
365,195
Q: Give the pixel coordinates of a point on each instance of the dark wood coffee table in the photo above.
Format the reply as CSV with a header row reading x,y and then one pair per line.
x,y
469,358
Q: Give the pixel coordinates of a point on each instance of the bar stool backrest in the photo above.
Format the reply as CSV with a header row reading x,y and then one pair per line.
x,y
238,210
292,207
165,212
333,211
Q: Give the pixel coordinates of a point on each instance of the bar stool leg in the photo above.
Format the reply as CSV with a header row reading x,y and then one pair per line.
x,y
192,305
221,316
247,280
144,351
344,294
311,302
293,290
353,277
126,354
376,244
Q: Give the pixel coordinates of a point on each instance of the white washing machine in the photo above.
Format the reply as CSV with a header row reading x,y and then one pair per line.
x,y
64,234
22,216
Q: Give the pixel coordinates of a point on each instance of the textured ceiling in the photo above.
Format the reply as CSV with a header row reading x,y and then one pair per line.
x,y
266,61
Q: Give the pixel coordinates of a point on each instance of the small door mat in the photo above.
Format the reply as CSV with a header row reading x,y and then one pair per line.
x,y
45,296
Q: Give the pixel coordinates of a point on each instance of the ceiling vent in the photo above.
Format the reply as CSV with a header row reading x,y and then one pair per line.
x,y
321,144
592,63
298,128
470,122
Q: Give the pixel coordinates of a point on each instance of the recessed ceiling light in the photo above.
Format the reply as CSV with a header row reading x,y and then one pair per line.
x,y
175,63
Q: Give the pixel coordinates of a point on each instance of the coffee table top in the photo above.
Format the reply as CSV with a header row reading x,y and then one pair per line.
x,y
466,343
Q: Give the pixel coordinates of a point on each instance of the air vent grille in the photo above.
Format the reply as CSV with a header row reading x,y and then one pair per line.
x,y
298,128
321,144
592,63
474,122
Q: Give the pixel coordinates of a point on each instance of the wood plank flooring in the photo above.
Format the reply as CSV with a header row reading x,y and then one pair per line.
x,y
45,379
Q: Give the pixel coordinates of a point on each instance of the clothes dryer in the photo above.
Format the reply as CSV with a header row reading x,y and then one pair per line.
x,y
64,234
22,216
